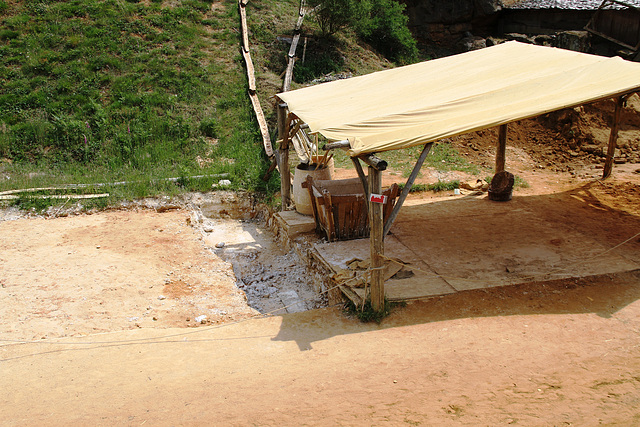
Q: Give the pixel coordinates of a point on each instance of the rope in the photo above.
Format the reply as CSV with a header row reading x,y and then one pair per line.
x,y
195,331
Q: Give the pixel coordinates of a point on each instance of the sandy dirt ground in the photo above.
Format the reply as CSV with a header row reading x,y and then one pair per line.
x,y
114,270
98,326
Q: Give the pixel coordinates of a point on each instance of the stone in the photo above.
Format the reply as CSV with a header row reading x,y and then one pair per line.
x,y
470,185
471,43
220,245
292,301
578,41
518,37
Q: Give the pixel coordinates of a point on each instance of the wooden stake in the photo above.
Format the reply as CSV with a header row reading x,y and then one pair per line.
x,y
613,138
502,148
338,144
376,241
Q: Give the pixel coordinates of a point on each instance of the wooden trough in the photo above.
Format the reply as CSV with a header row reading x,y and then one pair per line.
x,y
340,208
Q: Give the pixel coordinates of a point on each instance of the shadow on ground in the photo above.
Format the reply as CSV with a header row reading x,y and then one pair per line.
x,y
531,235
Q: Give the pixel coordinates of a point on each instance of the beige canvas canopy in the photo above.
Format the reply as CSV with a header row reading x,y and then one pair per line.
x,y
425,102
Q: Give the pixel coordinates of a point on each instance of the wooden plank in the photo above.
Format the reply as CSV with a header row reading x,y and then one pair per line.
x,y
243,27
262,122
294,46
331,231
364,220
376,242
299,22
285,176
391,193
282,117
502,148
288,75
343,220
407,188
251,74
58,196
613,138
349,293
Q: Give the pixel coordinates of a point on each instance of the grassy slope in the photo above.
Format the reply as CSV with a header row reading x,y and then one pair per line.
x,y
113,90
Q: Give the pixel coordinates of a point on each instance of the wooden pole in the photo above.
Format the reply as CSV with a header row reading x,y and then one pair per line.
x,y
362,176
285,176
613,138
407,188
338,144
376,241
502,148
374,162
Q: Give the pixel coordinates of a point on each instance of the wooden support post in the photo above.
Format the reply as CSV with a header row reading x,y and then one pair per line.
x,y
613,138
407,188
362,176
502,148
376,241
283,152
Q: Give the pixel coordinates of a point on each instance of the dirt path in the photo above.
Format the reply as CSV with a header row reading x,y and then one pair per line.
x,y
562,354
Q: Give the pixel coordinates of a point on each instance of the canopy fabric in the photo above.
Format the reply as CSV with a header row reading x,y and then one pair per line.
x,y
428,101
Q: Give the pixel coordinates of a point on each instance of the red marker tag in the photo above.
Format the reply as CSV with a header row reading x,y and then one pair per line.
x,y
377,198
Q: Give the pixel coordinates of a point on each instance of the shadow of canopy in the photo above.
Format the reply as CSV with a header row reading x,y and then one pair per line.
x,y
574,235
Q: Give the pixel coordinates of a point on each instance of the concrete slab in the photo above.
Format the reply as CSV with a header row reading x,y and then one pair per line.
x,y
474,243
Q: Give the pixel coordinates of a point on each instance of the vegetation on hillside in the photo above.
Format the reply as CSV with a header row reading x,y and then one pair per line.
x,y
111,90
381,23
141,90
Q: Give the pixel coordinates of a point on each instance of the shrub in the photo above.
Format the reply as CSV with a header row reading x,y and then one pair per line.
x,y
334,15
381,23
385,28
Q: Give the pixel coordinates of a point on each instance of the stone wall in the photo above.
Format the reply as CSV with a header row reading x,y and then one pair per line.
x,y
438,20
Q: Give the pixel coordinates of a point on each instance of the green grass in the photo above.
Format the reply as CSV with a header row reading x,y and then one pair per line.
x,y
435,187
367,314
443,157
107,90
